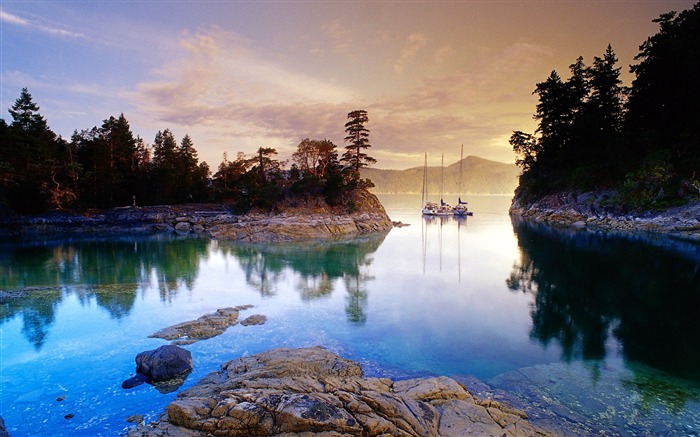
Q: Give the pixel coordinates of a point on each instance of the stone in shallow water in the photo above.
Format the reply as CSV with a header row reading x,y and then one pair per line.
x,y
207,326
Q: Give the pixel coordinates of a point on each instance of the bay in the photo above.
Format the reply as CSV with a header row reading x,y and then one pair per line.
x,y
517,304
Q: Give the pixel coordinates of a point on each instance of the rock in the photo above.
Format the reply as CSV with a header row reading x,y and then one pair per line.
x,y
255,319
164,363
3,430
207,326
293,392
134,381
135,418
183,226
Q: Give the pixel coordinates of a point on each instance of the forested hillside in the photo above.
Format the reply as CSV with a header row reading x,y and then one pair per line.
x,y
479,176
642,142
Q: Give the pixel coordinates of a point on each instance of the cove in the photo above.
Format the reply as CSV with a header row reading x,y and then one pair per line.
x,y
519,305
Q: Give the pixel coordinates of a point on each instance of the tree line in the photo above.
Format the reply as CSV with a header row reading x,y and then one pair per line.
x,y
109,166
642,141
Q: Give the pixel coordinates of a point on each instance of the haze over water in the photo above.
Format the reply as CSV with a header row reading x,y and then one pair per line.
x,y
485,296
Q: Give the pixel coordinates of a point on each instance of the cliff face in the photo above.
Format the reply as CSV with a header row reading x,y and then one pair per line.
x,y
599,210
294,220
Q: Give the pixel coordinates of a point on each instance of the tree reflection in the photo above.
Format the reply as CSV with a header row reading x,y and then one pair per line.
x,y
318,264
590,286
109,270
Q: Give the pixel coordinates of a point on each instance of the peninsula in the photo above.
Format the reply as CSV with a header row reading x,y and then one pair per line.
x,y
296,219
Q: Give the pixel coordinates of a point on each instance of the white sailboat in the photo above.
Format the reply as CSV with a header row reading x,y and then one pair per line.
x,y
433,208
461,210
429,208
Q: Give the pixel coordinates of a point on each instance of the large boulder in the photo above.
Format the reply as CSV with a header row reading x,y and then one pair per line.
x,y
165,363
166,368
314,392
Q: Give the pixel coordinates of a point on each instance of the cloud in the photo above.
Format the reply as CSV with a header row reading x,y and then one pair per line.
x,y
222,90
12,19
229,95
414,43
35,25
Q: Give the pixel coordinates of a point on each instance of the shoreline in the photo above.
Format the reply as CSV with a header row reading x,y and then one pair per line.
x,y
300,220
592,210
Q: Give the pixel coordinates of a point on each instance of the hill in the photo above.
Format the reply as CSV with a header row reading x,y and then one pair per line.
x,y
479,176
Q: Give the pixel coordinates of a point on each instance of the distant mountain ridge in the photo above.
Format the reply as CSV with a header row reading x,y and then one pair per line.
x,y
479,176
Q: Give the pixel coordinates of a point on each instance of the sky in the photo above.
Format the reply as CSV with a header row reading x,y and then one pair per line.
x,y
239,75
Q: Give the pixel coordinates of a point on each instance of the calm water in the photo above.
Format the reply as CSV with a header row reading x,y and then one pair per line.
x,y
483,296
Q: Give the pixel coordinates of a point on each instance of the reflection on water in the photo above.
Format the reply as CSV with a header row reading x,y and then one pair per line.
x,y
114,270
318,265
110,270
589,286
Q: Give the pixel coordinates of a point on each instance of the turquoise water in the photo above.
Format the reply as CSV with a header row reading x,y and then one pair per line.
x,y
480,296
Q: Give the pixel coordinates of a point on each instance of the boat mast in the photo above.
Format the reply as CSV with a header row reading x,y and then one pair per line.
x,y
461,154
442,176
424,194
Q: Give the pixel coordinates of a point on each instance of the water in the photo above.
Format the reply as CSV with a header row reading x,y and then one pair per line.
x,y
483,296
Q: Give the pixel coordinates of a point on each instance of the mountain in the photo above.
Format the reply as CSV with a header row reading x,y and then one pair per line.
x,y
479,176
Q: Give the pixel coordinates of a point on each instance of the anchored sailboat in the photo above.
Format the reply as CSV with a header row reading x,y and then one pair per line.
x,y
432,208
461,210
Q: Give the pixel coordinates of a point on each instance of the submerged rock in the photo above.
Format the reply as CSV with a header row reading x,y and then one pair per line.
x,y
315,392
3,430
602,398
255,319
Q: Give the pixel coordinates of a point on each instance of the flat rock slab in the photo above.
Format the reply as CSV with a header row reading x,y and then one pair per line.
x,y
293,392
207,326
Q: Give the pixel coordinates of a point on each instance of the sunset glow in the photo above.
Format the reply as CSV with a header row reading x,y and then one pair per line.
x,y
236,76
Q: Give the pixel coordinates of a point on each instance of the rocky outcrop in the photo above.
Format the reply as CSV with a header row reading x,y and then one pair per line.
x,y
313,392
207,326
300,219
598,210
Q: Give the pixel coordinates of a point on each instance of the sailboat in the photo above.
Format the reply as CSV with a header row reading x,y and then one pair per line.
x,y
461,210
432,208
429,208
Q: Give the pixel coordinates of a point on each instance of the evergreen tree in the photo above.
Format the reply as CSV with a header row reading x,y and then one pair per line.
x,y
192,178
355,156
34,156
602,121
663,110
165,154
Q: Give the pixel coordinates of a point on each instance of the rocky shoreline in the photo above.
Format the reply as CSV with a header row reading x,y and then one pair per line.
x,y
597,210
314,392
298,220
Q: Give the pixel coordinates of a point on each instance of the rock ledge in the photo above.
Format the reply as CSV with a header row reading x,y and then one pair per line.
x,y
314,392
